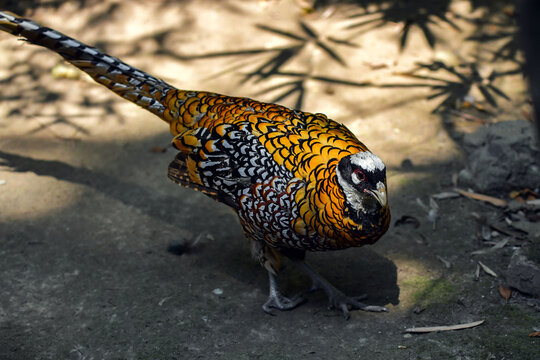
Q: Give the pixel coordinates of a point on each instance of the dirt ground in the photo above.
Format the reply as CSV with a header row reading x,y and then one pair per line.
x,y
91,228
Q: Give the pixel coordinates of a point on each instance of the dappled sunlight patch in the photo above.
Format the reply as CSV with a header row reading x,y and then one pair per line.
x,y
31,196
421,285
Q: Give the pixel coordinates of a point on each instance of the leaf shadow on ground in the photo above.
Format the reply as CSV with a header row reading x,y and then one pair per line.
x,y
408,13
263,63
28,83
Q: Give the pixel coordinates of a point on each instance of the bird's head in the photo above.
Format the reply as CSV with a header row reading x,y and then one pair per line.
x,y
362,178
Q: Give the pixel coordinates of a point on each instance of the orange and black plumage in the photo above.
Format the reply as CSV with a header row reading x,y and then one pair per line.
x,y
298,181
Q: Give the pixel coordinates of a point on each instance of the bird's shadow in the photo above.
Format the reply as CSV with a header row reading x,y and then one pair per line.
x,y
354,271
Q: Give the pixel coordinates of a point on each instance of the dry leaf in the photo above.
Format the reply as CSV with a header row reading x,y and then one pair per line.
x,y
497,245
487,269
432,210
446,263
477,216
445,195
444,328
485,232
524,196
485,198
533,202
375,66
507,232
505,292
455,179
509,10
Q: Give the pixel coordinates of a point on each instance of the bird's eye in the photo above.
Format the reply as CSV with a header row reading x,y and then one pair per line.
x,y
358,176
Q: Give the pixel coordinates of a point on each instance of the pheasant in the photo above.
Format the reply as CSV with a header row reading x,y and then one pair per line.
x,y
298,181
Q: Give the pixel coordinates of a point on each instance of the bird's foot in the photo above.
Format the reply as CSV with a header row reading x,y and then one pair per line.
x,y
338,300
278,301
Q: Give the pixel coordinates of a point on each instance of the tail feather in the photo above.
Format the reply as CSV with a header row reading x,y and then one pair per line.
x,y
128,82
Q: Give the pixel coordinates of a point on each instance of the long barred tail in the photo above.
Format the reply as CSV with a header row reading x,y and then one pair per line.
x,y
126,81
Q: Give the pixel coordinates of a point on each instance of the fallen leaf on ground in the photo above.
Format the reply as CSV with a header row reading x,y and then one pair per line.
x,y
469,117
446,263
432,210
444,328
507,232
505,292
497,245
524,195
487,269
445,195
375,66
533,202
485,198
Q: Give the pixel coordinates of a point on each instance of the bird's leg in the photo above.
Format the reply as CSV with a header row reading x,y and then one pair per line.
x,y
277,300
336,298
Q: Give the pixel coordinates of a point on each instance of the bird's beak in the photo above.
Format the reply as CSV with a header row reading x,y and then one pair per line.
x,y
380,193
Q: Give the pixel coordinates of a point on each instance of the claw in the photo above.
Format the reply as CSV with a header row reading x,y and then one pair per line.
x,y
345,310
346,304
280,302
277,300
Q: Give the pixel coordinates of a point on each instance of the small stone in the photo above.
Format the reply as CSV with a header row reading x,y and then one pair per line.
x,y
407,336
407,164
217,291
3,182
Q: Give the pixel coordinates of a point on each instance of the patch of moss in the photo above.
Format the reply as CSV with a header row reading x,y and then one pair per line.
x,y
506,334
512,315
426,291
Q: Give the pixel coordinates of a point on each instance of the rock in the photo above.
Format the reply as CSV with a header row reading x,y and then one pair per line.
x,y
523,274
500,157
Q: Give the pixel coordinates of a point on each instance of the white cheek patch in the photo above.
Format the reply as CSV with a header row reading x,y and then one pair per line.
x,y
367,161
355,179
351,194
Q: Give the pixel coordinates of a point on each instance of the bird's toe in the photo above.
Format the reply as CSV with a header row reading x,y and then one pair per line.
x,y
280,302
